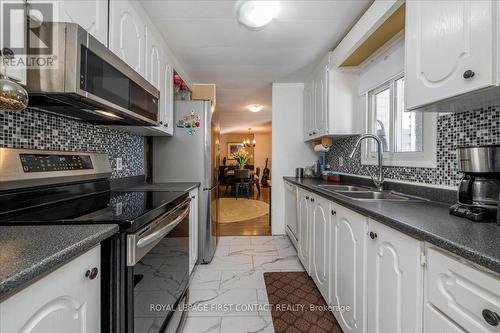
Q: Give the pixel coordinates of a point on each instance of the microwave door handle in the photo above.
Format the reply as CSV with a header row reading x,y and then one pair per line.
x,y
143,242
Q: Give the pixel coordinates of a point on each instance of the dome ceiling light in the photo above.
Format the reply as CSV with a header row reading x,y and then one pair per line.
x,y
255,108
255,14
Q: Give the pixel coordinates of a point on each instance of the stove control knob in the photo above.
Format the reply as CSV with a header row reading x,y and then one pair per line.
x,y
92,273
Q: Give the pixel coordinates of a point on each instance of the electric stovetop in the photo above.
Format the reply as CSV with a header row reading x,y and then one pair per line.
x,y
129,209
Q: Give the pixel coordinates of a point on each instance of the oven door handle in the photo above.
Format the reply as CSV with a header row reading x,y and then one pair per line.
x,y
160,233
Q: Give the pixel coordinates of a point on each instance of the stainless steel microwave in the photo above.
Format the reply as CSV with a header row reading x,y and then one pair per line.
x,y
82,79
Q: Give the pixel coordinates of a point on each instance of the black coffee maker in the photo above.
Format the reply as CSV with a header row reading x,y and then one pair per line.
x,y
479,189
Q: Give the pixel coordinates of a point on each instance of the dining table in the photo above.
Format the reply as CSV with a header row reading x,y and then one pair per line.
x,y
230,173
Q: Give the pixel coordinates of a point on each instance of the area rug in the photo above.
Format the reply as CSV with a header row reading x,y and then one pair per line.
x,y
297,305
242,209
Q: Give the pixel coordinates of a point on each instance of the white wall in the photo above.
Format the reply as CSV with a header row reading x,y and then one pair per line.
x,y
288,149
262,151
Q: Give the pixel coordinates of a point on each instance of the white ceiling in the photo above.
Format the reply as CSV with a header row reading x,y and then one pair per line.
x,y
213,48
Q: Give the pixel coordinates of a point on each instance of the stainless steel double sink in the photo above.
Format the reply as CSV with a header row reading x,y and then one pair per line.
x,y
366,194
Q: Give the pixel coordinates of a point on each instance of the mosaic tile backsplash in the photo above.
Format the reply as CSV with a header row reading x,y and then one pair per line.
x,y
38,130
477,127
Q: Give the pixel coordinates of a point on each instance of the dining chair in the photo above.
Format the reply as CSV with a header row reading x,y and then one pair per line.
x,y
242,179
256,179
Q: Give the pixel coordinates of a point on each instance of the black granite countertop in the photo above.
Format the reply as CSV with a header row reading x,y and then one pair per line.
x,y
29,252
138,183
425,220
166,187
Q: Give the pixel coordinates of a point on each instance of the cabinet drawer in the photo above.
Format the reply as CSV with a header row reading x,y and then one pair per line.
x,y
463,293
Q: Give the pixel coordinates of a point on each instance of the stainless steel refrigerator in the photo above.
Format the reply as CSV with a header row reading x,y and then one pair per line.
x,y
192,155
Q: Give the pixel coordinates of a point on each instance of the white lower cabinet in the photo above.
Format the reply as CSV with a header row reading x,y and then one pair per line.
x,y
373,275
66,300
304,215
347,267
459,297
435,321
291,212
193,229
394,281
320,243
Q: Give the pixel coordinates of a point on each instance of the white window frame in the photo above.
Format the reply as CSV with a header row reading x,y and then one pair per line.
x,y
426,158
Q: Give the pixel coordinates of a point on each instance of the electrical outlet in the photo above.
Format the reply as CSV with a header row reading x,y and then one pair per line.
x,y
119,164
341,161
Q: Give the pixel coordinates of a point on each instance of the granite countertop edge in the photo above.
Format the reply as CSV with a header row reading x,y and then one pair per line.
x,y
490,262
29,275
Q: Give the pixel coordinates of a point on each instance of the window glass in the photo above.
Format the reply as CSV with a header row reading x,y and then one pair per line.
x,y
408,125
382,108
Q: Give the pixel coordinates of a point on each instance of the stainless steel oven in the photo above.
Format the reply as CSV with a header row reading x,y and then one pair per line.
x,y
85,80
158,272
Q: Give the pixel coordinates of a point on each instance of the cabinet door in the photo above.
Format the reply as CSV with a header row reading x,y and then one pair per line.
x,y
347,281
319,104
308,110
193,229
304,213
167,99
91,15
320,243
127,34
16,10
444,40
394,281
61,302
154,54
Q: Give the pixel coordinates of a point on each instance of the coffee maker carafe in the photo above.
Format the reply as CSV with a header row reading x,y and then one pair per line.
x,y
479,189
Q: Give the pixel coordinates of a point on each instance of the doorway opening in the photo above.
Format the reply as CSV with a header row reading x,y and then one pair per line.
x,y
245,184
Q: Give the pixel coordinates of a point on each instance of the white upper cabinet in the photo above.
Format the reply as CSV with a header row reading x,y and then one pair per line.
x,y
167,99
308,110
17,33
127,33
91,15
304,215
394,281
450,49
347,267
320,243
330,97
154,51
66,300
320,102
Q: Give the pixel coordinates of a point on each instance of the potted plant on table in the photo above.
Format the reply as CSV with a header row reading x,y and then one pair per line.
x,y
242,158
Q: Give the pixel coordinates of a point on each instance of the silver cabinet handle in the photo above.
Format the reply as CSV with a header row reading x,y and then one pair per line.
x,y
163,231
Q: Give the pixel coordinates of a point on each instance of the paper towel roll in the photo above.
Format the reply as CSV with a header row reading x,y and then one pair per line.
x,y
319,148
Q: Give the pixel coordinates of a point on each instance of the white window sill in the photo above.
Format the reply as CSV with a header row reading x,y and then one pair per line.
x,y
417,162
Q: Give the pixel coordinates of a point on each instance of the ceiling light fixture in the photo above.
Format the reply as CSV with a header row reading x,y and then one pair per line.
x,y
255,108
248,142
256,14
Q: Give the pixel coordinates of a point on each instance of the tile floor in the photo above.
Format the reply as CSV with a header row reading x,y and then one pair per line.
x,y
225,295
